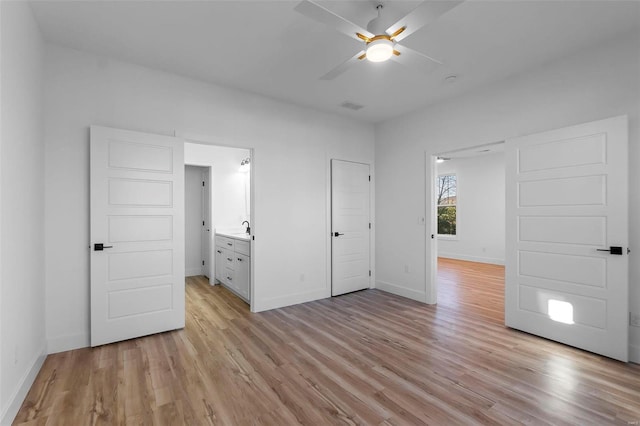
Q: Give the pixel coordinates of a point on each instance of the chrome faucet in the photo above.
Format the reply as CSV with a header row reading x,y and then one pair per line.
x,y
248,227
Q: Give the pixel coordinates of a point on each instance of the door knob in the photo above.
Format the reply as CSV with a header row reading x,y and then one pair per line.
x,y
100,247
612,250
337,234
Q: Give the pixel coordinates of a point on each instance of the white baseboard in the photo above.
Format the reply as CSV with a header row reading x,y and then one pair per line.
x,y
479,259
68,343
409,293
288,300
634,353
192,272
20,393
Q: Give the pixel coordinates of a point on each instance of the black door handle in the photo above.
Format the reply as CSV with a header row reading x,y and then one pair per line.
x,y
100,247
337,234
613,250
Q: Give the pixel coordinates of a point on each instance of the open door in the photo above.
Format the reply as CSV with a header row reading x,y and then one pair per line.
x,y
567,236
206,234
137,234
350,264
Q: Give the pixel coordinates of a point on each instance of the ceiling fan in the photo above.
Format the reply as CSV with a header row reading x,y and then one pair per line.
x,y
381,44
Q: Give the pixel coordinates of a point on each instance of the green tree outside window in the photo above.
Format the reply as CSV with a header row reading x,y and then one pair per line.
x,y
446,192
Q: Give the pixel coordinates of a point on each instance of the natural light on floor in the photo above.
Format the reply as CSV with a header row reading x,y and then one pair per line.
x,y
560,311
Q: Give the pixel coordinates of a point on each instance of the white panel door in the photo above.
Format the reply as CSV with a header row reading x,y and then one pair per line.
x,y
350,227
567,201
137,214
207,240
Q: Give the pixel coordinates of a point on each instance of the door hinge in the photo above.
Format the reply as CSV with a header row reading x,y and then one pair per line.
x,y
369,178
203,263
369,225
203,223
369,272
202,183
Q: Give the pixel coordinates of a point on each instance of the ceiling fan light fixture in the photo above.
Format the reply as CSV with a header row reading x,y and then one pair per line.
x,y
379,50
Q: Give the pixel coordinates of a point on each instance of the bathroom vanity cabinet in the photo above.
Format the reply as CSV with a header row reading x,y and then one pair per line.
x,y
233,263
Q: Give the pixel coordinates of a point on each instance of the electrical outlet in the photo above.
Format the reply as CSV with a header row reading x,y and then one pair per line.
x,y
634,319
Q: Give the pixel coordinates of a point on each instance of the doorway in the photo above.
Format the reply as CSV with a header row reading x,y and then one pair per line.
x,y
220,216
566,229
470,223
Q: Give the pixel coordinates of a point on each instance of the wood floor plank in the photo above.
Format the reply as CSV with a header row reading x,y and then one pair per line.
x,y
368,358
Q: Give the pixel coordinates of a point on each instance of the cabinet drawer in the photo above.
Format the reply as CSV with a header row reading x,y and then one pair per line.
x,y
243,247
229,278
224,242
228,258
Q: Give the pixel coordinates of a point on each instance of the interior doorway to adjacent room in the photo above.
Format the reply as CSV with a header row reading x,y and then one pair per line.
x,y
470,215
218,217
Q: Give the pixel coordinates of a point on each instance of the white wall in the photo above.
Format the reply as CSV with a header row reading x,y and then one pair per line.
x,y
22,329
292,147
480,222
594,84
230,207
193,220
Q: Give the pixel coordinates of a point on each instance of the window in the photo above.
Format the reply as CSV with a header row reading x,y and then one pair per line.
x,y
447,191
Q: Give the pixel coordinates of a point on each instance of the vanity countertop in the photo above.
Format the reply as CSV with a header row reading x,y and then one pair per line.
x,y
236,235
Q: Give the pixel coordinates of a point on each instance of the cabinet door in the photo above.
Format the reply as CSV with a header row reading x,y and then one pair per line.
x,y
220,264
242,274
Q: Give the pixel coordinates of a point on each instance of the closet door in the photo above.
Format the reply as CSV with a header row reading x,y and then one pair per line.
x,y
350,238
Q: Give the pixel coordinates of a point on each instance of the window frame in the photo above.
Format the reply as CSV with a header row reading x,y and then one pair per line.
x,y
449,237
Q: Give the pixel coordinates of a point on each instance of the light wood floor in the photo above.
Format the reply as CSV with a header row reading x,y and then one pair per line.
x,y
472,288
364,358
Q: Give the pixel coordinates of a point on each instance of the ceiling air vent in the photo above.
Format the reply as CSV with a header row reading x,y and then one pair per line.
x,y
351,105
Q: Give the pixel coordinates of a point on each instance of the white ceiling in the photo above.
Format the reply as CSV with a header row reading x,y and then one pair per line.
x,y
266,47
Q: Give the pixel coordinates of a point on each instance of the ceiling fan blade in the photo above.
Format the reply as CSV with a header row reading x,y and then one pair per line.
x,y
414,59
424,14
316,12
358,57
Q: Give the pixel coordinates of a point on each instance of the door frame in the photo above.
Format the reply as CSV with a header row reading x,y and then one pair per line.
x,y
431,233
200,139
372,231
